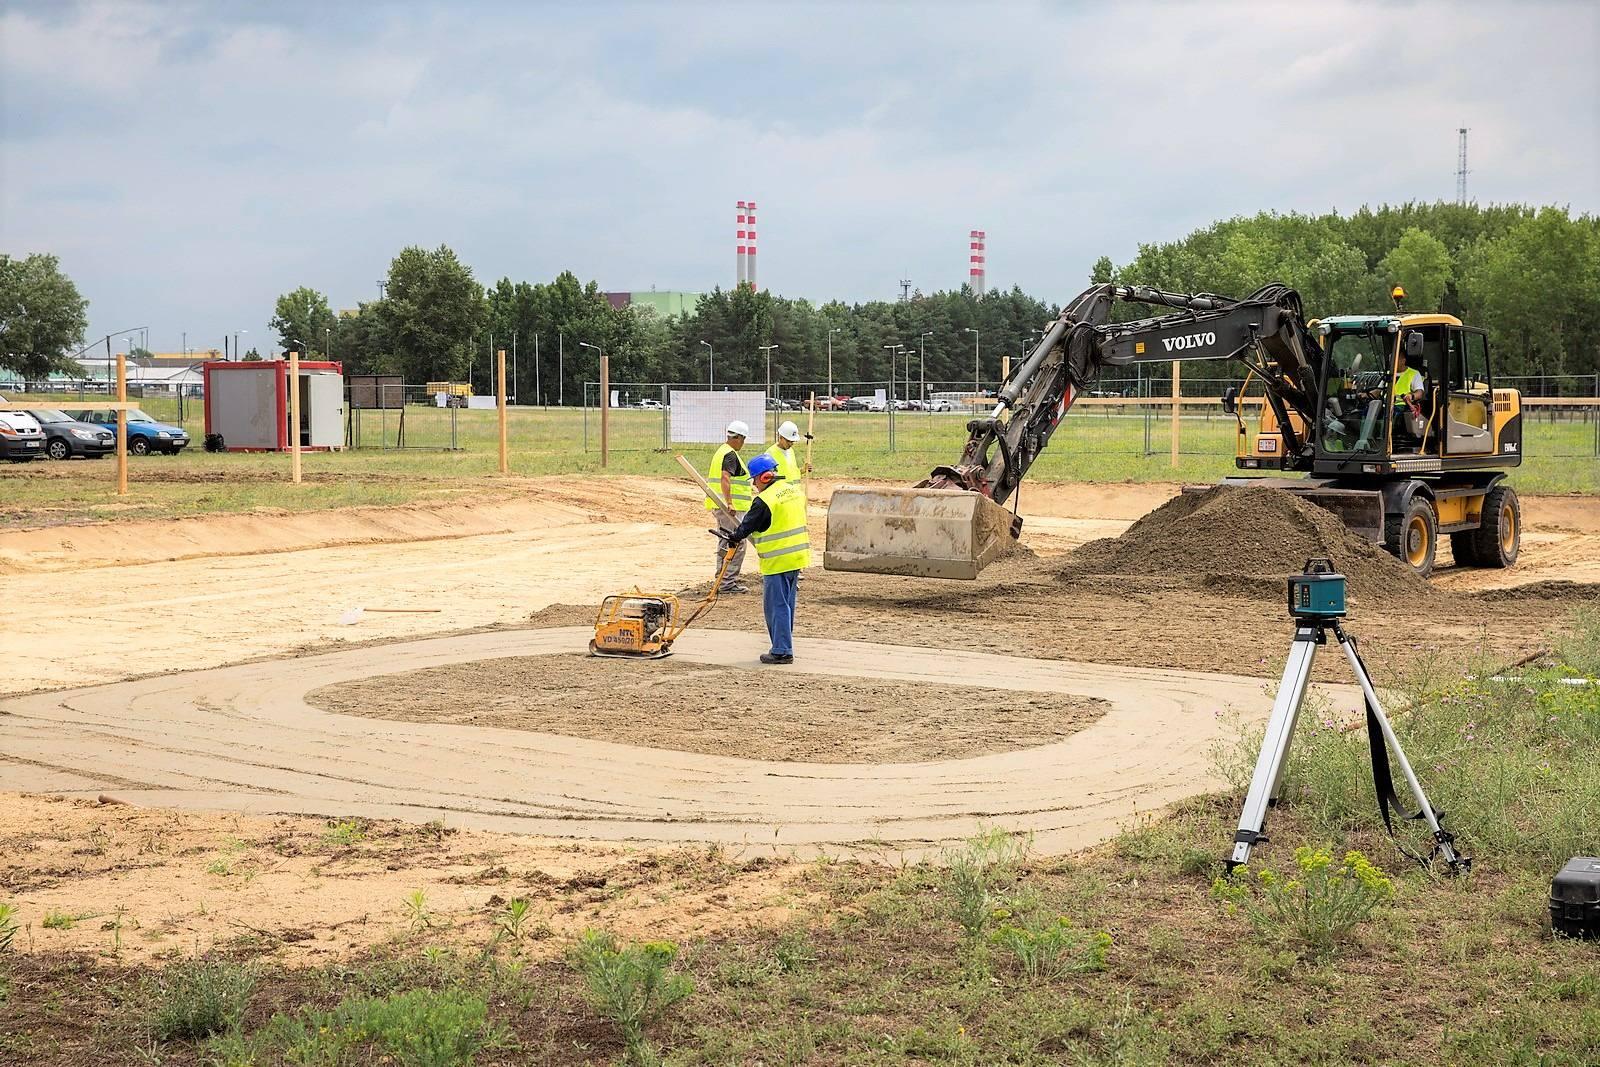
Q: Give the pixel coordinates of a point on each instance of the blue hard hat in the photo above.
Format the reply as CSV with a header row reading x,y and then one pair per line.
x,y
762,464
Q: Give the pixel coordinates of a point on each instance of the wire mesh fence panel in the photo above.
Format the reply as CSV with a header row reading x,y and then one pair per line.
x,y
402,417
178,405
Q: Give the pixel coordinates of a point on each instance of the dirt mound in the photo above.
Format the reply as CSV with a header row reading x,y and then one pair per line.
x,y
1239,540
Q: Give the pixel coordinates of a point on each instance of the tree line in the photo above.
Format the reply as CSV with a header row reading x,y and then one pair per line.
x,y
1530,276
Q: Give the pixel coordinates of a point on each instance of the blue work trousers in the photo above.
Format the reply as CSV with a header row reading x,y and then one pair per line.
x,y
778,592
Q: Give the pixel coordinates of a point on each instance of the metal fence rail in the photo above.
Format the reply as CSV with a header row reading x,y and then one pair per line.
x,y
406,417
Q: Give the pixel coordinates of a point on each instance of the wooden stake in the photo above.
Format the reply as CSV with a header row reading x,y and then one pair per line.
x,y
711,494
294,415
122,425
605,407
500,401
1175,412
1005,368
811,426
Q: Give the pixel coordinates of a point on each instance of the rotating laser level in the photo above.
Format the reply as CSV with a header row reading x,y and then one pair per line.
x,y
1316,604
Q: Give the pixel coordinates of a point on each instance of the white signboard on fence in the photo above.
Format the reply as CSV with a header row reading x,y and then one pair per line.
x,y
701,416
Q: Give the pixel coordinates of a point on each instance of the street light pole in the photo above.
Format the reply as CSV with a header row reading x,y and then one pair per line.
x,y
711,377
831,332
976,388
236,334
514,366
922,365
561,373
768,349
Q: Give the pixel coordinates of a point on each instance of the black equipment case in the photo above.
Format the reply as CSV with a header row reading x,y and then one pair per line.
x,y
1575,898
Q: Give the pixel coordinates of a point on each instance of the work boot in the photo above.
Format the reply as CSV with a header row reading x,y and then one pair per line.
x,y
771,658
736,587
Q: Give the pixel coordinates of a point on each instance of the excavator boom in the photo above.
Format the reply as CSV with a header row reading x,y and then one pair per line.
x,y
954,523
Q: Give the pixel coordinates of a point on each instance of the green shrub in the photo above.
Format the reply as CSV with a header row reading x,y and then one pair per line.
x,y
632,986
8,926
1317,908
976,872
1050,948
198,998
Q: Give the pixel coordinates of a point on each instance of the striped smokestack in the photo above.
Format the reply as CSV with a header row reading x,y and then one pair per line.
x,y
975,273
738,236
750,244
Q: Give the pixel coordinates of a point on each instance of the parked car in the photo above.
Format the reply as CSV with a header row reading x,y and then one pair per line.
x,y
145,435
831,403
66,437
866,403
940,405
651,405
21,439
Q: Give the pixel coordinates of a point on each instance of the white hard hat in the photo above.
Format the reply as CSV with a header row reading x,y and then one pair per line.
x,y
789,432
738,429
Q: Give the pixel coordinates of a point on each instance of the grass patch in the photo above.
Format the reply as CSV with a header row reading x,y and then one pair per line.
x,y
1091,445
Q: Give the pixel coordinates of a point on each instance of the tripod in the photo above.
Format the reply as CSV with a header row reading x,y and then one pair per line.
x,y
1313,621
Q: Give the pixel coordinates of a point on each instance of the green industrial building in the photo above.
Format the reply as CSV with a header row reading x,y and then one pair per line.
x,y
664,302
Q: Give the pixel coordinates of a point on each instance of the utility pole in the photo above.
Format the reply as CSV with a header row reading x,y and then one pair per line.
x,y
561,372
905,290
1461,167
382,287
538,393
513,366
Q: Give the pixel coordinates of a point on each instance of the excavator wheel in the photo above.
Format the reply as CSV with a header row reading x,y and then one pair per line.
x,y
1498,539
1413,535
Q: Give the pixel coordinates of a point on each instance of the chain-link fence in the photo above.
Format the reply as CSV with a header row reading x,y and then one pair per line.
x,y
1126,412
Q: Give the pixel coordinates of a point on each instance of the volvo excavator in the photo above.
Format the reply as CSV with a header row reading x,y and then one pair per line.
x,y
1398,468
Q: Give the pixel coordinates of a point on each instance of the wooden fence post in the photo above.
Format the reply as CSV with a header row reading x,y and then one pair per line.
x,y
1175,411
122,424
294,414
500,403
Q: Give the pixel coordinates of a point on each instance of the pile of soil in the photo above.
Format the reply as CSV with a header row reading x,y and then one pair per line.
x,y
1239,540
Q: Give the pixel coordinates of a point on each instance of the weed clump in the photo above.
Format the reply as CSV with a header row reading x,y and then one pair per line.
x,y
1049,948
632,986
1316,908
977,872
8,926
417,1028
199,998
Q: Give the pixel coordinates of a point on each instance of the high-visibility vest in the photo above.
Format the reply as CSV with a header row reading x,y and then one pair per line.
x,y
785,545
738,484
788,465
1405,383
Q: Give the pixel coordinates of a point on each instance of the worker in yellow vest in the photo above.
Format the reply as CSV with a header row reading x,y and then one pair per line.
x,y
727,472
776,525
783,452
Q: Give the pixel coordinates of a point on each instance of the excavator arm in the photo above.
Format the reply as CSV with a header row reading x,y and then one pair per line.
x,y
952,524
1264,330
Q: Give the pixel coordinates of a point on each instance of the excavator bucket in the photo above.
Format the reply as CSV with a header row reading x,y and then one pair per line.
x,y
924,533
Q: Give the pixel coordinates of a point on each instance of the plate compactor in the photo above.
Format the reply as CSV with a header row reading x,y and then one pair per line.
x,y
641,625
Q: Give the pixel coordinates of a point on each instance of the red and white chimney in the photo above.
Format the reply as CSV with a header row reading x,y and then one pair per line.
x,y
976,255
738,237
750,245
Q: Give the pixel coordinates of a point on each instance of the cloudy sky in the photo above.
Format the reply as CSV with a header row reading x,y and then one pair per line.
x,y
190,161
